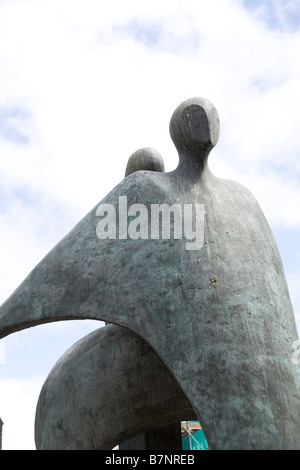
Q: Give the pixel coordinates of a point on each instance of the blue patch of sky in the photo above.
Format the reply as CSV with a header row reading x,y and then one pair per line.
x,y
286,166
289,249
10,196
12,123
147,34
267,82
34,202
283,15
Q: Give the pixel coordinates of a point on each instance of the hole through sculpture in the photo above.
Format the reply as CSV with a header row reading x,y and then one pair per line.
x,y
225,346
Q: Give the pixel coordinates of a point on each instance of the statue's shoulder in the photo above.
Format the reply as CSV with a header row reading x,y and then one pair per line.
x,y
238,191
145,186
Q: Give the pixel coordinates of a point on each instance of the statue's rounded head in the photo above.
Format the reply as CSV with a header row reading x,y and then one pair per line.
x,y
145,158
195,126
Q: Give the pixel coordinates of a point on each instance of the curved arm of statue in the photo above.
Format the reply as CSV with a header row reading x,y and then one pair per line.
x,y
210,297
106,388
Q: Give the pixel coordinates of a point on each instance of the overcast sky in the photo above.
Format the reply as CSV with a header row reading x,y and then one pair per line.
x,y
83,84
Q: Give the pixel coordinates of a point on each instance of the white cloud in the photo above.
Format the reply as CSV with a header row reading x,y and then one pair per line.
x,y
84,72
94,82
20,399
26,358
293,281
2,353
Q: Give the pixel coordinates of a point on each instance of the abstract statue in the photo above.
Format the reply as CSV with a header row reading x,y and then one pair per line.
x,y
202,319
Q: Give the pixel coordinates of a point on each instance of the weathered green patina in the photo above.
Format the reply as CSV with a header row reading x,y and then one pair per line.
x,y
220,318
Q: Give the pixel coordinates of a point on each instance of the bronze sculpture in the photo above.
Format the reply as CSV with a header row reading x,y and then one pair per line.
x,y
218,316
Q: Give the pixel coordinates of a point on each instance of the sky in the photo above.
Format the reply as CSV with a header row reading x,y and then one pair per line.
x,y
84,84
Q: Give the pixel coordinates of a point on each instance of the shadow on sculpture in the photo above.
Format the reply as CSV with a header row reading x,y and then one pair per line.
x,y
203,322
